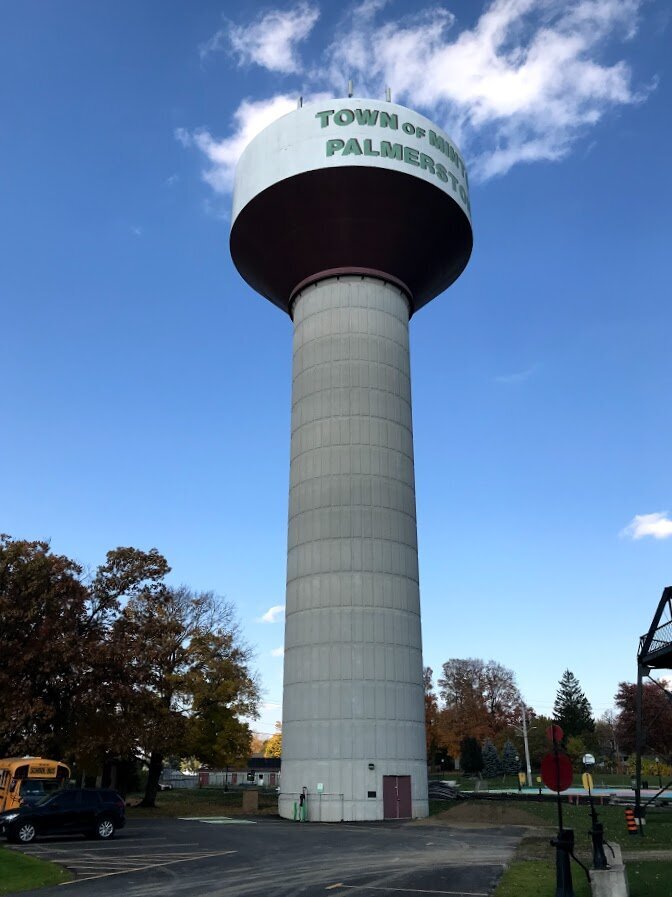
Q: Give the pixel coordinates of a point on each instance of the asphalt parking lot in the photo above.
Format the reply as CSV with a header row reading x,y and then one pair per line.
x,y
226,858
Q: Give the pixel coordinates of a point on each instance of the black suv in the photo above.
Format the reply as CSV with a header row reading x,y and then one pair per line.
x,y
78,811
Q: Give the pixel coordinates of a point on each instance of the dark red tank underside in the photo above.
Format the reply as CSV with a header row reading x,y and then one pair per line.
x,y
351,217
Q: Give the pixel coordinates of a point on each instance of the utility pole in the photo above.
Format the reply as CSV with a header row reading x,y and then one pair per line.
x,y
527,750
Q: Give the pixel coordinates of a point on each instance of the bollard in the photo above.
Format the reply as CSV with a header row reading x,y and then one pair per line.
x,y
631,822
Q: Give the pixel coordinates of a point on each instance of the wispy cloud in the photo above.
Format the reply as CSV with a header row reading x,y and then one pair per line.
x,y
520,85
657,525
249,119
273,614
517,376
270,41
136,230
278,652
523,84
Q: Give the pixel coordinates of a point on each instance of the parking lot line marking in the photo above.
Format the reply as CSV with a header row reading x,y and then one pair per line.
x,y
409,890
217,820
203,856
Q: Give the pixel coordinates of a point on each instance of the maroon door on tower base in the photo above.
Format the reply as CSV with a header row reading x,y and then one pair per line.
x,y
397,797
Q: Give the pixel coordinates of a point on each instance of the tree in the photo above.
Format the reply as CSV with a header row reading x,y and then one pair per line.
x,y
257,745
49,637
189,676
431,715
481,699
571,710
607,740
510,759
656,718
273,747
117,666
576,750
538,744
492,765
471,757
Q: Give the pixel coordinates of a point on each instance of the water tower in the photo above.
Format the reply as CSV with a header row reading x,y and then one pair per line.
x,y
350,215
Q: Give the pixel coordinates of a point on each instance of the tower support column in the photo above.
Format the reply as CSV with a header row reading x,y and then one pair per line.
x,y
353,705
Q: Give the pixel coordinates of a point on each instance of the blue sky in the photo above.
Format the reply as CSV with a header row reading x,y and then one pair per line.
x,y
146,389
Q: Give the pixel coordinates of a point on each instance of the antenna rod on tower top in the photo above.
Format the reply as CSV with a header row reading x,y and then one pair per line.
x,y
350,88
388,94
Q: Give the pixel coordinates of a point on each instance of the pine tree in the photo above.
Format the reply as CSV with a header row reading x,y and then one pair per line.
x,y
572,710
510,759
492,765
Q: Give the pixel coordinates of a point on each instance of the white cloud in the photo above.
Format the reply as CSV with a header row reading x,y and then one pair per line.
x,y
270,41
517,376
250,118
278,652
521,85
273,614
657,525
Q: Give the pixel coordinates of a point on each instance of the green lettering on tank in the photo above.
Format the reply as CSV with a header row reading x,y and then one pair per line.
x,y
437,141
441,172
389,120
391,150
411,155
352,148
368,151
426,163
324,117
334,146
344,117
366,116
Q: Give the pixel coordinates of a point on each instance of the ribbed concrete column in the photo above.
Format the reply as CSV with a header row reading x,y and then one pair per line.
x,y
353,694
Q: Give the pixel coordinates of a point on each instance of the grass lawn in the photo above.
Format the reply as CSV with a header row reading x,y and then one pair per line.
x,y
537,877
532,872
200,802
658,829
21,873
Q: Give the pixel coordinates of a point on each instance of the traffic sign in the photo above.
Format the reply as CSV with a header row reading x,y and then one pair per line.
x,y
587,781
554,733
556,772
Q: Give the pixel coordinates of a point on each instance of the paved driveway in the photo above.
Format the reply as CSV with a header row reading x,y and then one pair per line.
x,y
274,858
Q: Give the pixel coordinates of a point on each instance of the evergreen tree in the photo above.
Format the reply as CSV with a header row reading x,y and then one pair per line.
x,y
471,758
571,710
492,765
510,759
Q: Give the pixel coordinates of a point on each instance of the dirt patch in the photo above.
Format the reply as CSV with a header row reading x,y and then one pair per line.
x,y
485,812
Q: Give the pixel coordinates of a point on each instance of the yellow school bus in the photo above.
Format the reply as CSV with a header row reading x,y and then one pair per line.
x,y
23,780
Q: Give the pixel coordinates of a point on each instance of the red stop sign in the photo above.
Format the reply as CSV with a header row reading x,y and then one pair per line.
x,y
556,772
554,733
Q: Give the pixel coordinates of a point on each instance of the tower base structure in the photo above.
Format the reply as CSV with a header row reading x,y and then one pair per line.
x,y
353,708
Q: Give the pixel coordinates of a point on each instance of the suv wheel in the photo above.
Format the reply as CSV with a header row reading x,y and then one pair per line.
x,y
23,833
104,828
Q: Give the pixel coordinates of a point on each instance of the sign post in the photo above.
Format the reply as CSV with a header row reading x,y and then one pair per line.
x,y
597,830
556,772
